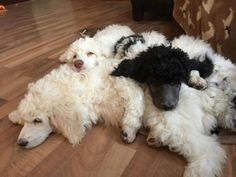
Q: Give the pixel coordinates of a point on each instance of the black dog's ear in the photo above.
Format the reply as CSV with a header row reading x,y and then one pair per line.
x,y
123,69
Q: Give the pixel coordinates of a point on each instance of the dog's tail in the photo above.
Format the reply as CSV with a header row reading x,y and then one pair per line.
x,y
206,159
124,43
205,67
205,156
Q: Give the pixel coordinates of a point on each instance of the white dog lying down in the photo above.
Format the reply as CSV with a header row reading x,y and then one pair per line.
x,y
186,129
68,102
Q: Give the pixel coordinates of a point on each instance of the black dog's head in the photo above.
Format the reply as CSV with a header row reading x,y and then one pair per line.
x,y
164,95
163,69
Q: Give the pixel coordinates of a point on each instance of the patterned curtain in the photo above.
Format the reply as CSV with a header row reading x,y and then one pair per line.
x,y
211,20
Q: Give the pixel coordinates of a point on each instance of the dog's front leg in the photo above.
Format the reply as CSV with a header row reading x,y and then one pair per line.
x,y
130,125
134,109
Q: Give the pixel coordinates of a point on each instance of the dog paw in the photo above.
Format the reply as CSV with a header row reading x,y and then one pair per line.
x,y
128,136
196,81
154,142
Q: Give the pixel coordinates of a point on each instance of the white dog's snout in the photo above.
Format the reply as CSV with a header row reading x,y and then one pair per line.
x,y
22,142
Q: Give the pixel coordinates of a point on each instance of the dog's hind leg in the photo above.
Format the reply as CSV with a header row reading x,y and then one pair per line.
x,y
203,153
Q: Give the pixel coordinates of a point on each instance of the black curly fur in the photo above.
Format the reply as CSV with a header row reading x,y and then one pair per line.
x,y
170,65
126,41
205,67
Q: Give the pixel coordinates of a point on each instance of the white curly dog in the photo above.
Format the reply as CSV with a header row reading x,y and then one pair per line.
x,y
68,102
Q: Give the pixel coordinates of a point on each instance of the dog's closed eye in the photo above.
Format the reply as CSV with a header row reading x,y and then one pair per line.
x,y
90,53
37,121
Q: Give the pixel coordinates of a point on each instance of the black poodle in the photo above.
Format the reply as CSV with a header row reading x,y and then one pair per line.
x,y
164,69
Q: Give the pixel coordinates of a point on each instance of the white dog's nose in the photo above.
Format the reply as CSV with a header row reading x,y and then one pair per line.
x,y
78,63
22,142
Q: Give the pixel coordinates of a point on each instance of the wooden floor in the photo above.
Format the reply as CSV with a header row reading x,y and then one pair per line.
x,y
33,34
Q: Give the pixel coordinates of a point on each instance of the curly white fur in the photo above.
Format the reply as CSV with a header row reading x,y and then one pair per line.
x,y
68,102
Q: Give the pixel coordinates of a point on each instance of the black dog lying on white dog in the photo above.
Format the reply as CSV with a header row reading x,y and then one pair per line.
x,y
164,68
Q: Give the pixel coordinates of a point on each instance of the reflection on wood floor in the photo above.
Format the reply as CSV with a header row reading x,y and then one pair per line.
x,y
33,34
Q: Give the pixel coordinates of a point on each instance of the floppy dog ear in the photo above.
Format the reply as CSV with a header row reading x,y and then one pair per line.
x,y
133,69
123,69
70,52
70,125
16,117
64,58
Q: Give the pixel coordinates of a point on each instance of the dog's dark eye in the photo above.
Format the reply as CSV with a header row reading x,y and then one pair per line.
x,y
37,120
75,56
234,100
176,84
90,53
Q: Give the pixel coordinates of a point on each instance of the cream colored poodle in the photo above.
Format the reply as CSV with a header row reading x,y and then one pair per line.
x,y
68,102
